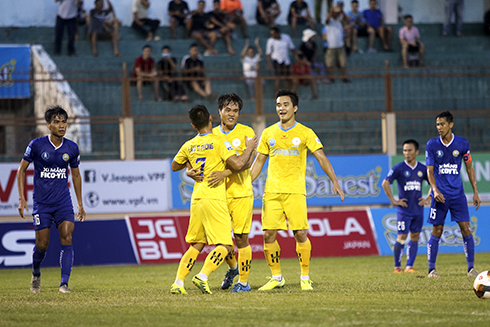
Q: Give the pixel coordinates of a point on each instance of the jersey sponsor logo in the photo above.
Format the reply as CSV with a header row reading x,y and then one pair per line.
x,y
52,173
66,157
272,142
455,153
296,141
412,186
236,143
28,151
420,174
406,173
203,147
285,152
448,169
439,154
45,155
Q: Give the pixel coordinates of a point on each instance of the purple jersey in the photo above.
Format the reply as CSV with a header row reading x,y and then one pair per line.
x,y
446,160
51,169
409,181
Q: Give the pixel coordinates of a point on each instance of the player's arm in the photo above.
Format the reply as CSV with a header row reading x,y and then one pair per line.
x,y
472,177
175,166
21,178
387,188
77,185
238,163
432,181
328,169
257,165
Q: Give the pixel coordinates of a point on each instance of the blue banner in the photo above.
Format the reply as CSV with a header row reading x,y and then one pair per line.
x,y
15,64
360,177
451,240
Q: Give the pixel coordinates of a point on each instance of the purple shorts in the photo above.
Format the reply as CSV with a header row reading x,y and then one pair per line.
x,y
457,206
45,215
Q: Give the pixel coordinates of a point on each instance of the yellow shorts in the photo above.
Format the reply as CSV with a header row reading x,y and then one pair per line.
x,y
209,223
241,211
277,207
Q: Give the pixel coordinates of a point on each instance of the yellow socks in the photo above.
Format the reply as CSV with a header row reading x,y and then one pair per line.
x,y
272,253
214,260
187,262
244,263
231,259
304,253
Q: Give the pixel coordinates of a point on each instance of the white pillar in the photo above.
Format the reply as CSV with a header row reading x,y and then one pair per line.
x,y
388,133
126,138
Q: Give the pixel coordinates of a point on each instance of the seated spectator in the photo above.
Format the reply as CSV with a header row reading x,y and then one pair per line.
x,y
201,29
100,27
308,48
333,37
144,70
299,14
375,23
110,16
250,64
141,22
277,51
173,90
410,41
178,10
193,66
218,23
355,27
267,12
233,10
302,68
486,20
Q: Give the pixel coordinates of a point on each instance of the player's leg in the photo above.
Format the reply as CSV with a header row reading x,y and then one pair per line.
x,y
437,216
460,214
65,222
415,228
38,254
402,230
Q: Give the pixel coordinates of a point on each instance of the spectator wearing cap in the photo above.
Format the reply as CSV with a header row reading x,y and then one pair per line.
x,y
410,41
308,48
376,25
299,14
333,37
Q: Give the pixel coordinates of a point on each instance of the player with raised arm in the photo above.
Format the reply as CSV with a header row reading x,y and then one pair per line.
x,y
52,155
443,159
409,176
210,220
286,144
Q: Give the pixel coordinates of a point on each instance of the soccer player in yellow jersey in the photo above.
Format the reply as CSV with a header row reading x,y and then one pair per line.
x,y
210,220
286,144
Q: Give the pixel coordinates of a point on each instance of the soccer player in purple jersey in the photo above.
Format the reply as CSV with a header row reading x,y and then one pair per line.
x,y
52,155
409,176
443,159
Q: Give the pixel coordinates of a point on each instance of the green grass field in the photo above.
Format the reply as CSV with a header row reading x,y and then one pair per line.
x,y
355,291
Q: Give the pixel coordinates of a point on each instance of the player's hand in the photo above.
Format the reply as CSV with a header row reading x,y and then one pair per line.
x,y
81,213
401,202
424,201
195,174
251,142
22,206
216,177
338,190
439,197
476,200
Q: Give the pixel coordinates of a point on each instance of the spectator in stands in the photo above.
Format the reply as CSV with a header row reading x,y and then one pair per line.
x,y
141,22
410,41
299,14
201,29
375,22
250,64
144,70
333,37
178,10
355,27
277,51
220,25
82,18
67,17
109,17
173,90
102,27
486,20
456,7
308,48
234,15
193,66
300,69
267,12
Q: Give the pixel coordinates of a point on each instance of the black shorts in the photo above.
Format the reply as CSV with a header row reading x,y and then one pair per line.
x,y
180,20
281,69
413,49
362,31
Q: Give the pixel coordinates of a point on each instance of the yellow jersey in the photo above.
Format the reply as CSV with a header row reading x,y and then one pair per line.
x,y
238,184
287,149
208,153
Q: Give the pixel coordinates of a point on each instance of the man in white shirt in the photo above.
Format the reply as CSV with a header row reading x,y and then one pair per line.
x,y
67,17
277,51
333,38
141,22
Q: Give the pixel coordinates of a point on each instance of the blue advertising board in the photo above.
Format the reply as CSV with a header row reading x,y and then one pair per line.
x,y
15,64
360,177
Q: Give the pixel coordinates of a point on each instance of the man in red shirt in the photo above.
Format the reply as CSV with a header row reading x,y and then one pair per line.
x,y
144,69
234,13
302,68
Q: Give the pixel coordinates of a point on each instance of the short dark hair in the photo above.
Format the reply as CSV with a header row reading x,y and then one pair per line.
x,y
407,16
291,94
412,141
447,115
354,1
53,112
193,45
229,98
275,29
199,116
167,47
218,1
146,46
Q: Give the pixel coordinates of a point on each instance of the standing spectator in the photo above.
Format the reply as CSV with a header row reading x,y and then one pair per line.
x,y
167,67
218,23
201,28
376,25
299,14
144,68
356,26
178,10
308,48
302,68
333,35
250,64
456,7
410,41
193,66
234,15
277,51
67,17
267,12
141,21
486,20
101,27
